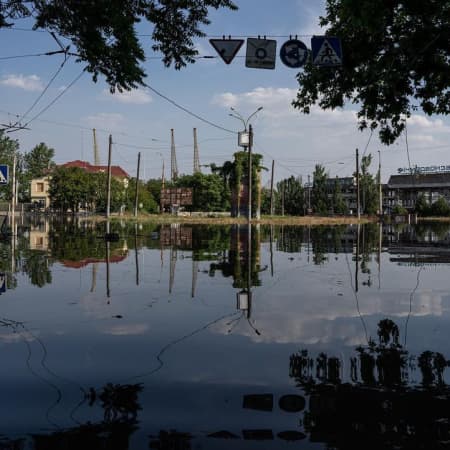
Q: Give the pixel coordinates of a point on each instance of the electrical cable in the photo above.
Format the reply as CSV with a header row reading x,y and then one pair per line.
x,y
42,111
173,102
42,93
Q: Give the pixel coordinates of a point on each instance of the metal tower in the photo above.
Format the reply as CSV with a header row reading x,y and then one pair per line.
x,y
96,154
196,157
173,160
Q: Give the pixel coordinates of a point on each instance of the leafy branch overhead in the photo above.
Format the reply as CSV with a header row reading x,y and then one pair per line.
x,y
104,31
396,60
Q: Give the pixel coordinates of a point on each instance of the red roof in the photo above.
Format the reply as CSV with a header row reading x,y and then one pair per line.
x,y
116,171
84,262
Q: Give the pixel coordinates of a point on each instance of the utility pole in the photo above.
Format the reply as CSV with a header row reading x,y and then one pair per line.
x,y
282,200
357,185
196,156
108,192
250,171
271,188
309,193
380,197
136,197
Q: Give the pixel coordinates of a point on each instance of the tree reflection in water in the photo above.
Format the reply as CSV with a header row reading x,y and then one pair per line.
x,y
120,407
379,408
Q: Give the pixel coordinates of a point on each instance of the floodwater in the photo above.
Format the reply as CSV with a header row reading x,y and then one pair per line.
x,y
194,337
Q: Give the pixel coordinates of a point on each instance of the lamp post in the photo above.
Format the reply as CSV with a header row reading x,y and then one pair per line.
x,y
245,139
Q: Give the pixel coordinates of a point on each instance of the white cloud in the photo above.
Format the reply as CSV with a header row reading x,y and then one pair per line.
x,y
127,330
26,82
109,121
133,97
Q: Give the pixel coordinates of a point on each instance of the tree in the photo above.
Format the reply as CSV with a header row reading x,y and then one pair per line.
x,y
440,208
319,191
209,193
39,160
395,61
369,193
292,190
337,202
104,34
422,208
8,148
36,163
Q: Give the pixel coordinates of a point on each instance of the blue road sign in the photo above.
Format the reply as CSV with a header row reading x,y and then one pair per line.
x,y
2,283
294,53
3,174
326,51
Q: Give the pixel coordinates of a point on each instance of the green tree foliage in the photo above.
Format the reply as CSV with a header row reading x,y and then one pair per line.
x,y
291,192
337,201
368,187
265,201
70,187
35,165
8,147
209,192
319,199
440,208
39,160
422,208
145,198
395,60
104,34
154,187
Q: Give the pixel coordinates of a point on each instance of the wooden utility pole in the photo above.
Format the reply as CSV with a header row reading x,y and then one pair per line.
x,y
271,188
357,185
173,158
136,196
196,155
96,154
108,192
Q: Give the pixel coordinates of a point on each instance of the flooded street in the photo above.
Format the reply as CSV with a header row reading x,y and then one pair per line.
x,y
180,337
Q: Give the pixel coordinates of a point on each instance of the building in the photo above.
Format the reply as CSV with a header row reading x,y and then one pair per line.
x,y
404,189
116,171
39,192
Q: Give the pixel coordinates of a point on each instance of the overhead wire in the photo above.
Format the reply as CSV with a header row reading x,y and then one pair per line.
x,y
186,110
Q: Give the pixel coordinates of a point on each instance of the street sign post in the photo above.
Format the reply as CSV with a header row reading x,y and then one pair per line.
x,y
227,48
326,51
3,174
261,53
294,53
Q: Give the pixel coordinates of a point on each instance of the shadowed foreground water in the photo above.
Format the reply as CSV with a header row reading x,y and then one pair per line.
x,y
194,337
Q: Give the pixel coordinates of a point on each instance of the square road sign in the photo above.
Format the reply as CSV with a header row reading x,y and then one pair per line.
x,y
3,174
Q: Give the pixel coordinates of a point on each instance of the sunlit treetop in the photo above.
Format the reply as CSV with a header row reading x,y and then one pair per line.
x,y
396,60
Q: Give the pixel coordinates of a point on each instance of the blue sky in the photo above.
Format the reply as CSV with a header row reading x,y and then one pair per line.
x,y
141,120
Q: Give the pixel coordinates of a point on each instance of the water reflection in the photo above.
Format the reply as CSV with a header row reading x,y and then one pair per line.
x,y
188,337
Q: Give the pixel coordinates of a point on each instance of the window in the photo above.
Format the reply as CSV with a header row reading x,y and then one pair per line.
x,y
39,187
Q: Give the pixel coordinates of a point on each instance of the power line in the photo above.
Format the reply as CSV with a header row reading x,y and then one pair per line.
x,y
43,92
173,102
42,111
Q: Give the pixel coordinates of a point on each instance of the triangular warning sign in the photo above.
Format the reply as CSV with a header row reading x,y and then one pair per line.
x,y
227,48
326,56
3,179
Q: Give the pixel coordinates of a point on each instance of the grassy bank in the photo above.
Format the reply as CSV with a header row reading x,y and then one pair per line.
x,y
266,220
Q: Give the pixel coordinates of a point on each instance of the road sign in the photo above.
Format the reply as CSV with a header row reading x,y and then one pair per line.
x,y
227,48
2,283
326,51
261,53
3,174
294,53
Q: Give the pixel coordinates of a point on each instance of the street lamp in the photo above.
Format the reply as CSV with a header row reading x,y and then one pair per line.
x,y
245,139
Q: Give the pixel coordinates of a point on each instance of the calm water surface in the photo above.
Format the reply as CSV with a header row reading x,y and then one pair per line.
x,y
193,337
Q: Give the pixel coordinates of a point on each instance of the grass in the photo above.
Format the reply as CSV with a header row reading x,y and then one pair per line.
x,y
266,220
